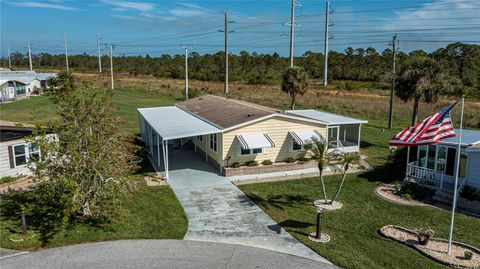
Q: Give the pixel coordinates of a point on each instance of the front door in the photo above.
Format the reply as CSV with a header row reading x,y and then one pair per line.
x,y
333,133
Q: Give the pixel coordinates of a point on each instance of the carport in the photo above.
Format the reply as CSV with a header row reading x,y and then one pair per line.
x,y
158,125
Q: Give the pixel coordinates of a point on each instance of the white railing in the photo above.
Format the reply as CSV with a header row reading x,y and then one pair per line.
x,y
424,175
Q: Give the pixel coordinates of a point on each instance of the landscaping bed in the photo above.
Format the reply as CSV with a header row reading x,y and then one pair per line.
x,y
436,248
387,192
275,167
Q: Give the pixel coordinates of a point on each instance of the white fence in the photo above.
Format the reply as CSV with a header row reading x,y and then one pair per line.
x,y
424,175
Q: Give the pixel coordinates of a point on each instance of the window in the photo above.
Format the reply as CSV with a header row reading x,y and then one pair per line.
x,y
199,137
23,152
213,142
251,151
20,155
296,146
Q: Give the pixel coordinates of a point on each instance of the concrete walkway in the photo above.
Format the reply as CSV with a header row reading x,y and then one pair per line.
x,y
219,212
157,254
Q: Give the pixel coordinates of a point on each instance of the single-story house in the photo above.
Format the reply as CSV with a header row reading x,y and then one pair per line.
x,y
12,90
15,151
436,164
35,82
228,131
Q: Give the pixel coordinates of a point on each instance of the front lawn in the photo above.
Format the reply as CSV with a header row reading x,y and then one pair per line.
x,y
152,213
355,241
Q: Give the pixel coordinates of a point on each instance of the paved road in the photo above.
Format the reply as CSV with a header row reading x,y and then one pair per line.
x,y
218,211
157,254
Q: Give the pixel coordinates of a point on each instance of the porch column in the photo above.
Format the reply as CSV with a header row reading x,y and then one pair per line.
x,y
166,162
164,158
408,160
150,134
359,131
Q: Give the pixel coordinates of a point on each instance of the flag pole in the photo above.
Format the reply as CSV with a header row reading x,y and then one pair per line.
x,y
455,191
408,160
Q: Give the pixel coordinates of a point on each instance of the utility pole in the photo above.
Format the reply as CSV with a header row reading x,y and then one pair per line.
x,y
66,49
99,56
226,52
9,57
186,72
226,31
30,56
111,64
325,52
392,90
292,27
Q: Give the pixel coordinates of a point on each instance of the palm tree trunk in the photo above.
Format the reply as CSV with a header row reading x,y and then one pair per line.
x,y
415,111
323,185
339,187
293,101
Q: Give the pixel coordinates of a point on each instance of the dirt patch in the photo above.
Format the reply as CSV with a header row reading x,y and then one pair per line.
x,y
388,193
436,248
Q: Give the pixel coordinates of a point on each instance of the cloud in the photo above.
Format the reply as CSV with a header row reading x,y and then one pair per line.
x,y
142,6
187,13
46,5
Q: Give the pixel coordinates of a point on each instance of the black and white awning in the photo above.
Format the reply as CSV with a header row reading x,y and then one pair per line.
x,y
305,137
255,141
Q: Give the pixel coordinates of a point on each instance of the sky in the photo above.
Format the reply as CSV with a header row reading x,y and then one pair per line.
x,y
157,27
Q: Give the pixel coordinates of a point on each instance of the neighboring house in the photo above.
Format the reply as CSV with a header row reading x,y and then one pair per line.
x,y
228,131
436,164
12,90
15,151
35,82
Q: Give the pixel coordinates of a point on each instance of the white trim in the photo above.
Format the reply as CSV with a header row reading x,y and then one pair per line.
x,y
26,153
290,145
238,150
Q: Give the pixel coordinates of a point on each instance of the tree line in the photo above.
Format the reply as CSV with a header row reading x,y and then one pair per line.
x,y
457,59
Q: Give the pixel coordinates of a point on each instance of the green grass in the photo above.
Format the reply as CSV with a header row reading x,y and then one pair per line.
x,y
151,213
126,99
354,228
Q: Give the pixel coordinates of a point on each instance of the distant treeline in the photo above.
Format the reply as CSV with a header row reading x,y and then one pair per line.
x,y
459,60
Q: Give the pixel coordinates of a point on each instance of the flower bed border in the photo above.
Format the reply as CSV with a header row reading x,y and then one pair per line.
x,y
472,248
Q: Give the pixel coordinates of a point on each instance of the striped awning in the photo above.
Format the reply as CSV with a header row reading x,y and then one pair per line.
x,y
304,137
255,141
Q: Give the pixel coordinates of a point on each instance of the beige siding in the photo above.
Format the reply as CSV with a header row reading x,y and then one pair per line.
x,y
277,128
5,169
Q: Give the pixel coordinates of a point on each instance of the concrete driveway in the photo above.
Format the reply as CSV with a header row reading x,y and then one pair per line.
x,y
218,211
157,254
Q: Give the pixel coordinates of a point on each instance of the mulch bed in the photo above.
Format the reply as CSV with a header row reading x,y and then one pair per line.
x,y
436,248
387,192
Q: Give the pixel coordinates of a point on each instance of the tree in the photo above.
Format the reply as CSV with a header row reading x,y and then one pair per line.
x,y
89,151
62,84
295,82
317,150
421,79
347,160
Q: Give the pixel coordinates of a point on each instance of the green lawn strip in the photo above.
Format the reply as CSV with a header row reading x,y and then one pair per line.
x,y
355,241
152,213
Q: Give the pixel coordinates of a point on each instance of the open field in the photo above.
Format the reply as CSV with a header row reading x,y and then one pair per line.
x,y
355,241
152,213
133,92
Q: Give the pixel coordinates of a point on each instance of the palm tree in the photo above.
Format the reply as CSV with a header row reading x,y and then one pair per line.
x,y
317,149
421,79
347,161
295,82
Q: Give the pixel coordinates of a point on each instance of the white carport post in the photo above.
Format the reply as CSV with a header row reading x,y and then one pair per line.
x,y
158,151
206,147
165,156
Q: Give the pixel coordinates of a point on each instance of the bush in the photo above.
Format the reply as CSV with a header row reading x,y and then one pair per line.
x,y
251,163
6,179
415,191
470,193
290,160
267,162
235,165
302,159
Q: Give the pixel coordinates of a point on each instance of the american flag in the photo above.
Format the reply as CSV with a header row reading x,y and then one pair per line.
x,y
431,130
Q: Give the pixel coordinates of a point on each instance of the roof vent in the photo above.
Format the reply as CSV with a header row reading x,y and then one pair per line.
x,y
250,115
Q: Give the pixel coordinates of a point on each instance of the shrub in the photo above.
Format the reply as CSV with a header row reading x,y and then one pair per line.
x,y
470,193
235,165
302,159
427,232
6,179
290,160
251,163
267,162
416,191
